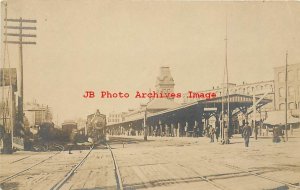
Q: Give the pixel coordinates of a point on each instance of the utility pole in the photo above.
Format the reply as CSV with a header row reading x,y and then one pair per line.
x,y
224,129
145,124
286,106
254,115
17,36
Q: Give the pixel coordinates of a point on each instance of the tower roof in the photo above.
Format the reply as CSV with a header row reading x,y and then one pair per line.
x,y
165,77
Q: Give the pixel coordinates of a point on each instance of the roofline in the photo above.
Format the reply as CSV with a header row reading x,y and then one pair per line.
x,y
283,66
183,106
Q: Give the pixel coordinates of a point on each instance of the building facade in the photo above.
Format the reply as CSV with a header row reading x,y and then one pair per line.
x,y
37,114
115,117
293,87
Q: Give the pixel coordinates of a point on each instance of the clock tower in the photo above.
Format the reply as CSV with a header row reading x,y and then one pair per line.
x,y
165,82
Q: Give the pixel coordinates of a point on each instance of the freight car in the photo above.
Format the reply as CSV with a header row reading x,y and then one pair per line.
x,y
47,132
68,127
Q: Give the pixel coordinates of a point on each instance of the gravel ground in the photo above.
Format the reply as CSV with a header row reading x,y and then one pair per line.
x,y
163,163
194,163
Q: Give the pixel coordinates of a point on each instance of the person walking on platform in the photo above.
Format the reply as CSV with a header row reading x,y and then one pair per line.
x,y
246,133
255,131
212,133
217,133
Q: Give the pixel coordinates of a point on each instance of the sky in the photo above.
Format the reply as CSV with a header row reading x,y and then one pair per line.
x,y
119,46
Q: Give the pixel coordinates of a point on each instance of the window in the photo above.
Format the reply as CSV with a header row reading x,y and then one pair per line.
x,y
281,107
291,91
292,106
241,91
269,87
249,89
290,75
281,92
281,77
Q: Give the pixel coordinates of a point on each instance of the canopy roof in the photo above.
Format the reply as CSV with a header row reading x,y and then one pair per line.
x,y
162,104
236,101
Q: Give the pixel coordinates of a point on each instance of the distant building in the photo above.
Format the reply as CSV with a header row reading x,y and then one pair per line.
x,y
7,108
115,117
8,77
8,87
293,87
36,114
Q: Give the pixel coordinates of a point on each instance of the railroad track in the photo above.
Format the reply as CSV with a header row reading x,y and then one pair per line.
x,y
71,172
30,167
117,171
61,183
256,173
26,157
204,178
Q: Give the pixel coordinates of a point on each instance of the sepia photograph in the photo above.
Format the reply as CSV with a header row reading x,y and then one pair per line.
x,y
149,94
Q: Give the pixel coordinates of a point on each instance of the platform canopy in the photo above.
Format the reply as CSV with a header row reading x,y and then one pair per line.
x,y
187,111
235,100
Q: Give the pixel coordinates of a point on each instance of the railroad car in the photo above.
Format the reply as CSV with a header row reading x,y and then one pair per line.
x,y
96,127
67,128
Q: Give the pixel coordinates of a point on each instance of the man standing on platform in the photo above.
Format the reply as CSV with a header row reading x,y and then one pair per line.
x,y
212,133
256,131
217,132
246,134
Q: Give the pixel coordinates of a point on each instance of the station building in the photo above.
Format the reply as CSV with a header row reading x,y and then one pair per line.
x,y
293,88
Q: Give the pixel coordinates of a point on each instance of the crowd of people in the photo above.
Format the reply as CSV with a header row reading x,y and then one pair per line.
x,y
212,132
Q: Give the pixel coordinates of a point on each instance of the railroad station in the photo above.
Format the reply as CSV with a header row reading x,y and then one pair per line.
x,y
193,116
156,95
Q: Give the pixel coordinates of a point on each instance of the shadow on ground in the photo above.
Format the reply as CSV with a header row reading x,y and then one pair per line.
x,y
121,140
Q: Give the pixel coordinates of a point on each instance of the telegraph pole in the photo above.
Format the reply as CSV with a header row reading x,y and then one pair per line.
x,y
17,36
286,106
145,121
224,129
